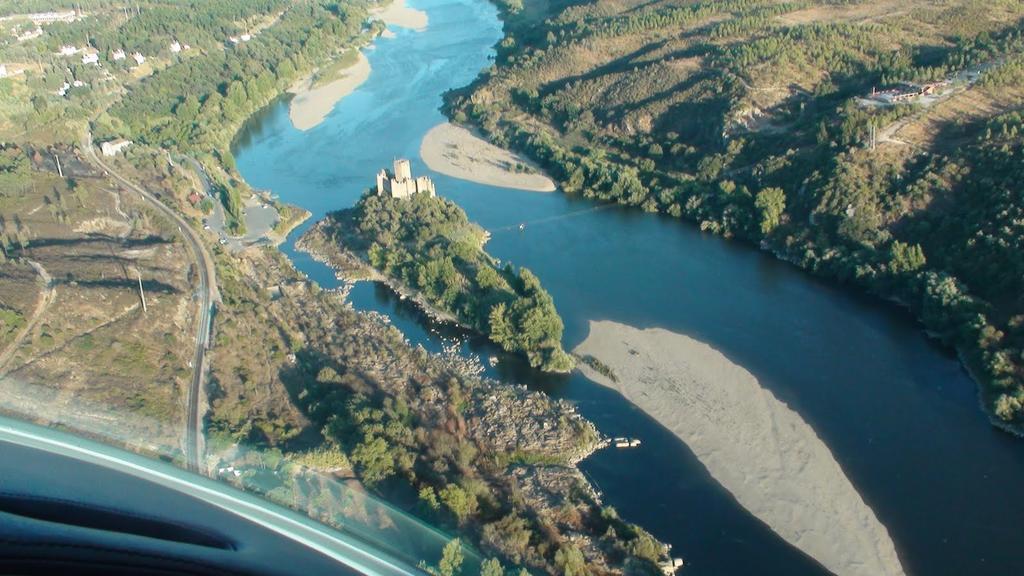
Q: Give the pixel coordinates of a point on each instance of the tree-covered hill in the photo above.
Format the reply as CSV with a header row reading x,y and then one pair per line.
x,y
756,119
429,244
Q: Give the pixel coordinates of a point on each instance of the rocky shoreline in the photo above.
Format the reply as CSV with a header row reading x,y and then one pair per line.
x,y
350,268
536,441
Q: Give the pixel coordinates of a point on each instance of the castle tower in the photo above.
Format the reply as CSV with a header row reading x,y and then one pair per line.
x,y
424,185
403,171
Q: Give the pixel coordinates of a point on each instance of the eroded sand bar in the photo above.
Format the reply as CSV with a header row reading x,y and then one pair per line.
x,y
459,153
759,449
398,14
311,105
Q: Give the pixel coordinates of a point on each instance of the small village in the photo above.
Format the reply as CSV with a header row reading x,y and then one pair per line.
x,y
30,26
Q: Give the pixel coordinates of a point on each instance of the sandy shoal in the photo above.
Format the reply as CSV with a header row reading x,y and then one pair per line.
x,y
311,105
457,152
754,445
398,14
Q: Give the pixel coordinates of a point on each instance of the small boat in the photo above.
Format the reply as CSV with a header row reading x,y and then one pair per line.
x,y
493,360
625,442
522,227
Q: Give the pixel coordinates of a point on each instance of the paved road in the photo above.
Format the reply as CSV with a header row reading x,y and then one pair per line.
x,y
207,295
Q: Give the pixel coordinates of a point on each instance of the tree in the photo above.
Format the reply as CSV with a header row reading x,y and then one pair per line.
x,y
460,502
39,104
491,567
570,561
429,498
770,204
905,258
1007,407
451,558
374,458
510,536
501,330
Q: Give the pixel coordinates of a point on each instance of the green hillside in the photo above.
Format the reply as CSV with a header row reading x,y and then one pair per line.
x,y
771,122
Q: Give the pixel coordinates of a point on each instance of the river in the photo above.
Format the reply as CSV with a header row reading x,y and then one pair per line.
x,y
898,412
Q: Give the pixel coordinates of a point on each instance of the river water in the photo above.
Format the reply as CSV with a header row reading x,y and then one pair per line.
x,y
899,413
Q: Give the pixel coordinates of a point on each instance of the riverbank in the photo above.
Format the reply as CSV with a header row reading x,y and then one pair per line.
x,y
758,448
292,217
311,105
313,100
455,151
397,13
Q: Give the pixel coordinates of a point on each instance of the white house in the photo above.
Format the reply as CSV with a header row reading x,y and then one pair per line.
x,y
117,55
30,34
139,58
175,47
63,89
245,37
91,58
46,17
77,83
66,50
114,146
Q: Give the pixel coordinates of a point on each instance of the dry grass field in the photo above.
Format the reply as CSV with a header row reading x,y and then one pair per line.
x,y
85,344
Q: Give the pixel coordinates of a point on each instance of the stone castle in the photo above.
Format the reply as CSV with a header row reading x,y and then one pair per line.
x,y
401,184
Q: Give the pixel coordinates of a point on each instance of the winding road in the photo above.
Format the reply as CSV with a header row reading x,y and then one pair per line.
x,y
46,297
207,296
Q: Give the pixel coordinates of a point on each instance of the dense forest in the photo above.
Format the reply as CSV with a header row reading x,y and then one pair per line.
x,y
758,119
429,244
234,79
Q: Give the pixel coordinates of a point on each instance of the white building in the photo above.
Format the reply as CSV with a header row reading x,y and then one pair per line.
x,y
245,37
49,17
175,47
63,89
91,58
114,146
3,71
401,184
139,58
117,55
66,50
31,34
77,83
44,17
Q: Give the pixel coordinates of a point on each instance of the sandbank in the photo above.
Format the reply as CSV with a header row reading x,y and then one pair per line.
x,y
754,445
311,105
457,152
398,14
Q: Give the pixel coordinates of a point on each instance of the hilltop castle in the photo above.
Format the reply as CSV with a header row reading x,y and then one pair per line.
x,y
401,184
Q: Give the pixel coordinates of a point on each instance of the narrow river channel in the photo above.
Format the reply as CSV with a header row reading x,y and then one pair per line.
x,y
899,413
